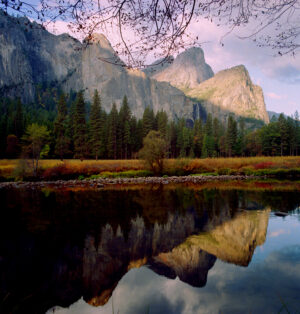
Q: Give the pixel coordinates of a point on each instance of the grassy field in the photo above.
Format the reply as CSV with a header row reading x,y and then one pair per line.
x,y
56,169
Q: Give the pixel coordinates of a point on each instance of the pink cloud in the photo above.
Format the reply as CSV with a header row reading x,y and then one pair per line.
x,y
275,96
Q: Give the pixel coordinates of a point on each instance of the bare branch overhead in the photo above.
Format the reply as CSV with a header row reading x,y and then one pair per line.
x,y
160,27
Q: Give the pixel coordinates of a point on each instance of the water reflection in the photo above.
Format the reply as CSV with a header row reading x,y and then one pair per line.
x,y
268,285
59,246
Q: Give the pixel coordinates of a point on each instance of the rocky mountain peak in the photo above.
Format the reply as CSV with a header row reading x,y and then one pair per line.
x,y
238,72
99,39
187,70
184,87
231,91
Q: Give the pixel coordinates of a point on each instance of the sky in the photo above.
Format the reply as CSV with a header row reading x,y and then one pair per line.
x,y
279,76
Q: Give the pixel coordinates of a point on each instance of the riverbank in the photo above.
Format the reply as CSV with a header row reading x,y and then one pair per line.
x,y
102,182
50,170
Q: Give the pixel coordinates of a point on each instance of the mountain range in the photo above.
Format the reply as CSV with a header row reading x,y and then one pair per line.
x,y
184,87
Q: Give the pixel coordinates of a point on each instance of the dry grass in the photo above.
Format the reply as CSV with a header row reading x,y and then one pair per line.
x,y
216,164
57,168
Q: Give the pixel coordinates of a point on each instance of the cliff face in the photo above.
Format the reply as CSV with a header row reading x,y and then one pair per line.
x,y
233,241
30,55
231,91
228,92
186,87
188,70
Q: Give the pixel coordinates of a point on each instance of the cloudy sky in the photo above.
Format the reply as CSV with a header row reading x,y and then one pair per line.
x,y
279,76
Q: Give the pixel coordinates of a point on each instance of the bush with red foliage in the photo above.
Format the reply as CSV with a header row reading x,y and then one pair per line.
x,y
264,165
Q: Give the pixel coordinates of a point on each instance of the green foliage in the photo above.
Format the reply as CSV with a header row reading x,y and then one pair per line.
x,y
162,123
22,170
96,126
204,174
123,174
76,133
112,132
208,148
208,125
231,136
19,119
80,129
198,138
62,141
124,128
36,146
154,151
148,121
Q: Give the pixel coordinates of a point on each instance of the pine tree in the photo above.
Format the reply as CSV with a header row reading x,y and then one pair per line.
x,y
80,129
208,143
70,126
284,134
240,145
198,137
208,129
217,133
148,121
103,134
231,136
186,145
297,131
208,148
133,139
62,142
139,135
162,122
95,126
126,139
270,139
180,140
19,119
172,139
124,116
112,132
292,136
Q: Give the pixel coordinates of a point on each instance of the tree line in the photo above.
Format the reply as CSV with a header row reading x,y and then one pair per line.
x,y
76,129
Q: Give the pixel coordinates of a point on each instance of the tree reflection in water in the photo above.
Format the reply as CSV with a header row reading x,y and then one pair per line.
x,y
57,246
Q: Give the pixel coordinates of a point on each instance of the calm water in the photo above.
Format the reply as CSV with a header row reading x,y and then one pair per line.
x,y
158,249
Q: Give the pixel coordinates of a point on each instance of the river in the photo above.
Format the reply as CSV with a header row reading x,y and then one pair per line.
x,y
202,248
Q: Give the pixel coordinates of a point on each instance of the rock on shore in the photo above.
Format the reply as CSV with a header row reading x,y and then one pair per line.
x,y
102,182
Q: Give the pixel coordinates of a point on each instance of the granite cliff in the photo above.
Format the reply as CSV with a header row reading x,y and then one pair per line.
x,y
30,55
231,90
188,70
184,87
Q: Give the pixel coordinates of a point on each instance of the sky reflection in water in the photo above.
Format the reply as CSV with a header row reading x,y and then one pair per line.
x,y
270,283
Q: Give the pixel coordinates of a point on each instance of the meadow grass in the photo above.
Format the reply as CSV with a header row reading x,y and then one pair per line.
x,y
56,169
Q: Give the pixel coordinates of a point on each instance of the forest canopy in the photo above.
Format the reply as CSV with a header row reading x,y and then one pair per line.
x,y
78,129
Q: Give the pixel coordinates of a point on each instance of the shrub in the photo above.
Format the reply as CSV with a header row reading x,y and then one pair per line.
x,y
264,165
224,171
21,171
154,151
123,174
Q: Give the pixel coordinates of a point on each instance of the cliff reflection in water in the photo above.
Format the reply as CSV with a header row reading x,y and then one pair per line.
x,y
57,246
